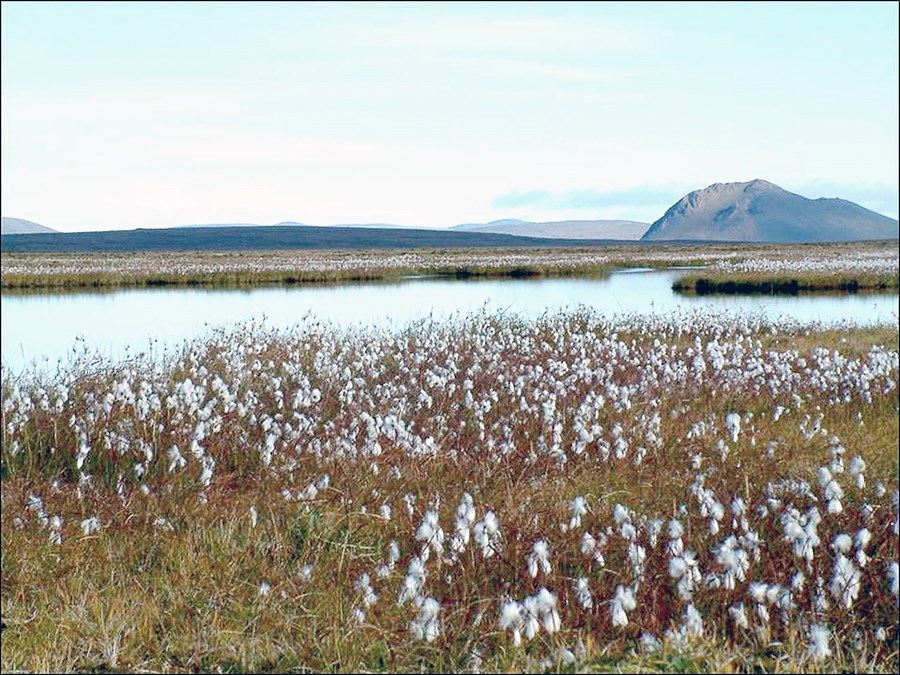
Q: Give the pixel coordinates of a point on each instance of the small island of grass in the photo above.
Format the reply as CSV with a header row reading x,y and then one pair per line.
x,y
726,283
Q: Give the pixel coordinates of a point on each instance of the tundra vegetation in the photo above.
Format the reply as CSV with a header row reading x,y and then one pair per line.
x,y
762,267
865,271
487,493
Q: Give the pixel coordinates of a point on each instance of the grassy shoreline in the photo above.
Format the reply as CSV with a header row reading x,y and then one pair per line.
x,y
246,268
238,268
784,284
299,277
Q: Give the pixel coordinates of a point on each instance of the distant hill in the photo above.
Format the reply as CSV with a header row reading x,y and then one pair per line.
x,y
759,211
268,237
20,226
291,223
493,223
377,226
562,229
227,225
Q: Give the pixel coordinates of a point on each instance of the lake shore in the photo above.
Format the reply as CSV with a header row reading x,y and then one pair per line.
x,y
247,268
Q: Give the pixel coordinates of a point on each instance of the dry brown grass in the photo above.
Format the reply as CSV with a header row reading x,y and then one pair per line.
x,y
57,271
183,593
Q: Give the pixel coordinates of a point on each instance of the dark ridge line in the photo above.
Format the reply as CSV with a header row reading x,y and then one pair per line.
x,y
271,237
267,237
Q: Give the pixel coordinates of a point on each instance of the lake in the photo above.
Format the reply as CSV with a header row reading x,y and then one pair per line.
x,y
43,328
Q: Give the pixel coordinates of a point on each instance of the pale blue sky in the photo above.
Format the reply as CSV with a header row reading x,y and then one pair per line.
x,y
121,115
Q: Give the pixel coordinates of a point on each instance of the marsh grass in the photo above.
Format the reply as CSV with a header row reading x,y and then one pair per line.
x,y
234,279
236,269
61,271
175,578
785,284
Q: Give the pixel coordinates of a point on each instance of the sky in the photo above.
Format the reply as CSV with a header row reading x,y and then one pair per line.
x,y
123,115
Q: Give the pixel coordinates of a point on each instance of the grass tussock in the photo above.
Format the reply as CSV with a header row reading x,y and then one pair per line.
x,y
492,494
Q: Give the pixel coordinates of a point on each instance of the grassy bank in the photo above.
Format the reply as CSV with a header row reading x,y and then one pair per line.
x,y
35,272
243,268
785,284
488,494
232,279
228,279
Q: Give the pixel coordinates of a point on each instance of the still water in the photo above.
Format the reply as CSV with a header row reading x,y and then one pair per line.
x,y
43,328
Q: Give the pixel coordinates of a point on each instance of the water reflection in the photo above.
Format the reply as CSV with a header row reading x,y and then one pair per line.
x,y
44,327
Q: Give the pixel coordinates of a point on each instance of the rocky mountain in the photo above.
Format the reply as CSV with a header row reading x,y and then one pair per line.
x,y
20,226
562,229
761,211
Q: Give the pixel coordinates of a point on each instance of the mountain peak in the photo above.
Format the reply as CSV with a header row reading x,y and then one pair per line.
x,y
760,184
755,185
758,210
22,226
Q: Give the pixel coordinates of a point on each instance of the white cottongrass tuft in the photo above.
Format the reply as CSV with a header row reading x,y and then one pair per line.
x,y
583,593
591,546
547,604
676,545
487,534
831,489
364,587
842,543
512,618
465,517
845,581
649,643
426,626
857,470
539,558
733,424
431,534
529,615
90,525
578,507
739,615
862,539
684,568
693,622
818,648
56,523
735,561
893,575
414,581
622,603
